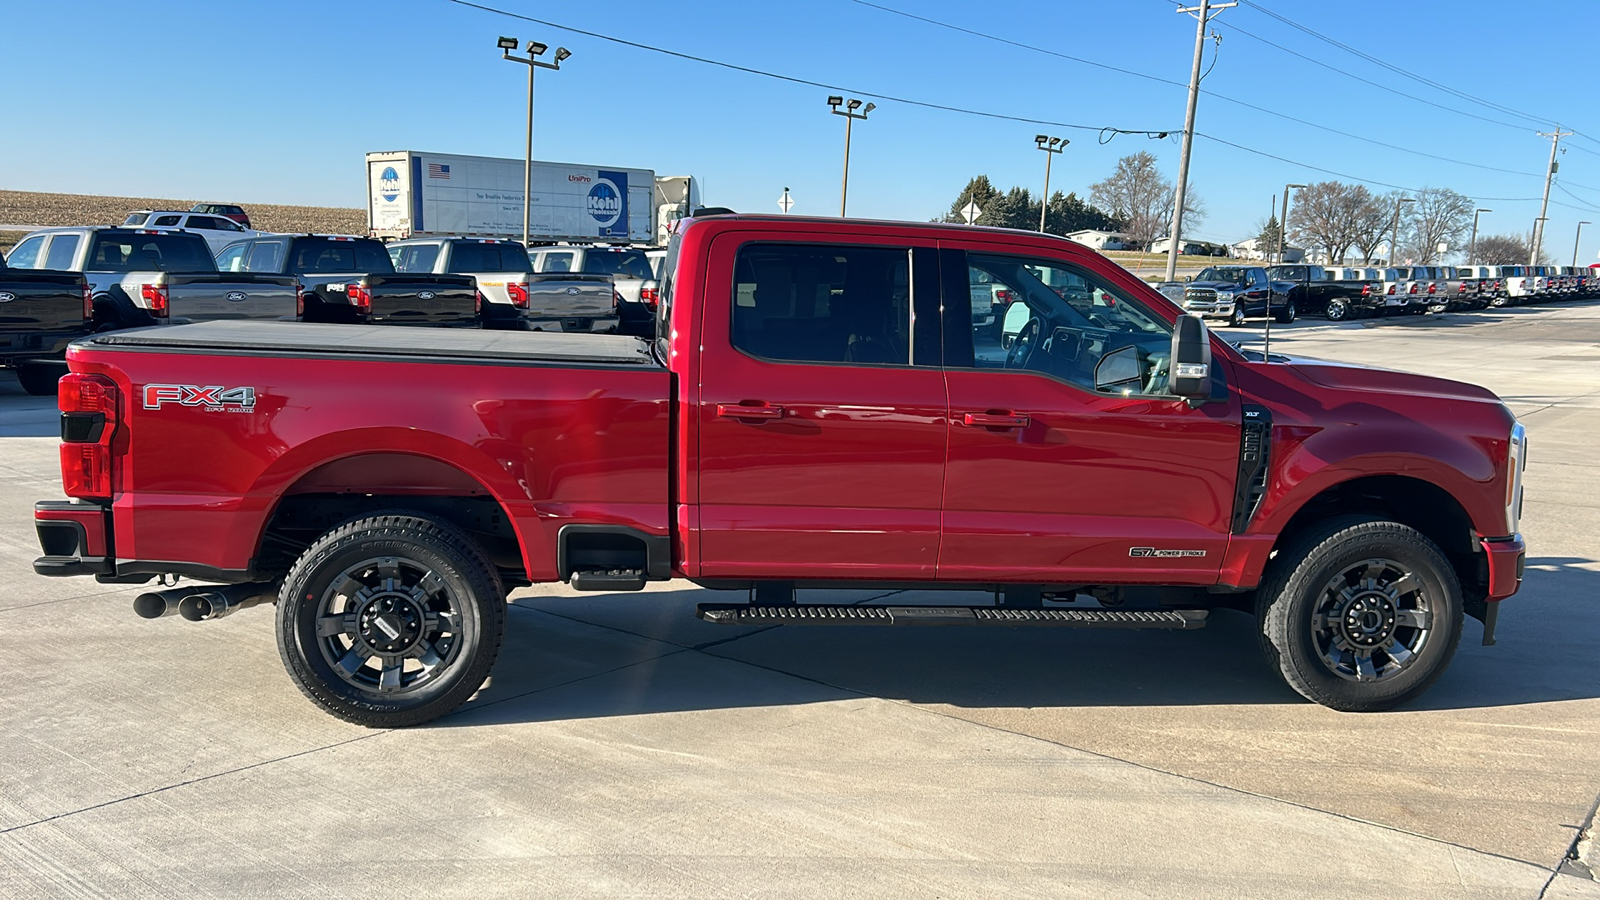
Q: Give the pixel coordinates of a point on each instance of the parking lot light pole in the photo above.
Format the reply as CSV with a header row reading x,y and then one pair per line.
x,y
1283,221
1472,246
1575,241
532,61
1394,234
850,117
1051,146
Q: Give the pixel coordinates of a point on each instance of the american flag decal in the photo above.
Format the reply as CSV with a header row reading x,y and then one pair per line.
x,y
437,171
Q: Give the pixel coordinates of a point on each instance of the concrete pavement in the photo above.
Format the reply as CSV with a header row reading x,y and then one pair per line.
x,y
624,748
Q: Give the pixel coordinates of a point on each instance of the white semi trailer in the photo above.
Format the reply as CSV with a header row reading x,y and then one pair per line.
x,y
415,194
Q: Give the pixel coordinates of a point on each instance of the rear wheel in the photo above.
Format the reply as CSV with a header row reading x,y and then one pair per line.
x,y
1361,614
39,379
1285,313
391,620
1338,310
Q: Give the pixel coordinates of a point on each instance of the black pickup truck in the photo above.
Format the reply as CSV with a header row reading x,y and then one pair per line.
x,y
1315,291
351,280
40,313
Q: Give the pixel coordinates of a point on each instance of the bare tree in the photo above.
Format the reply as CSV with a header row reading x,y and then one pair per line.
x,y
1506,250
1373,219
1324,215
1440,215
1141,198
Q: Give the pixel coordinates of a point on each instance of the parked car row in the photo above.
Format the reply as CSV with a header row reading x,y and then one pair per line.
x,y
1240,293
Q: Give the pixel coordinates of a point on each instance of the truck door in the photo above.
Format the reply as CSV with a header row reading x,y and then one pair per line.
x,y
1051,479
821,410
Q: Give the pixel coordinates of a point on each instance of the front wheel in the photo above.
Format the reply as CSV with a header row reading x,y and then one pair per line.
x,y
1361,614
391,620
1237,320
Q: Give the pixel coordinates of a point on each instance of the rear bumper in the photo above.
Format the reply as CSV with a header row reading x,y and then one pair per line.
x,y
1506,557
75,537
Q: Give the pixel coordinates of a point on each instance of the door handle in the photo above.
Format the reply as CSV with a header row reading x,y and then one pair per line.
x,y
735,411
995,420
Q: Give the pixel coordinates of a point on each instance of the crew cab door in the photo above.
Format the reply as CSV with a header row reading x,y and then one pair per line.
x,y
1052,479
821,409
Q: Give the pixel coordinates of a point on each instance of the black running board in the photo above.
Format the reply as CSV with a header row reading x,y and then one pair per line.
x,y
746,614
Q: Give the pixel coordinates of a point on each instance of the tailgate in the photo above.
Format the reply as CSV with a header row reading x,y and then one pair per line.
x,y
38,302
404,299
570,296
235,295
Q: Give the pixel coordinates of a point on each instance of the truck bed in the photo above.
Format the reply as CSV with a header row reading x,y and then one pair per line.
x,y
376,341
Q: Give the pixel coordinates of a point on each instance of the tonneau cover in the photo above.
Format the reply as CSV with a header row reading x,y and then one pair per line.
x,y
300,338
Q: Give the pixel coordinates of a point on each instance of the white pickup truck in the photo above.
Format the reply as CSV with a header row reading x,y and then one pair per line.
x,y
142,276
514,296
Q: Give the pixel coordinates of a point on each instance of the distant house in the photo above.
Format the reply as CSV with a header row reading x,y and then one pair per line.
x,y
1252,249
1190,248
1101,240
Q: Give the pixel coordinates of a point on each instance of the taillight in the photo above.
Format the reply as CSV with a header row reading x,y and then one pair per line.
x,y
477,302
360,297
1432,288
1002,297
1366,290
88,302
1391,290
616,298
155,299
88,421
1413,288
299,299
649,297
518,294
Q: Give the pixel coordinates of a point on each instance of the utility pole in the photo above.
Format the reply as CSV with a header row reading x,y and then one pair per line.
x,y
1544,206
850,116
1051,146
1576,240
1472,247
1394,235
1266,252
1283,226
535,50
1203,15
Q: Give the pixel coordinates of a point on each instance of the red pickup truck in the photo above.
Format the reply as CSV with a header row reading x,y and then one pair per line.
x,y
818,409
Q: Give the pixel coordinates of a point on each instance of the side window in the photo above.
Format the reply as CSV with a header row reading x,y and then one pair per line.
x,y
62,248
415,257
826,304
265,256
1063,322
231,259
166,221
556,262
26,254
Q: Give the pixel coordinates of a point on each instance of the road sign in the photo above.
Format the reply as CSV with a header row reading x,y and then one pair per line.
x,y
971,212
785,201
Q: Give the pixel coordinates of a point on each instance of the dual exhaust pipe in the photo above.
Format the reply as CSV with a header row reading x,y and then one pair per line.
x,y
204,604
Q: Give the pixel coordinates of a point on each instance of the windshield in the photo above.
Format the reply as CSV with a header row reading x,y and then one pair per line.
x,y
624,263
1222,273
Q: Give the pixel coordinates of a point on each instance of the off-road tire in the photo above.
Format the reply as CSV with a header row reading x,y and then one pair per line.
x,y
1294,585
40,379
417,541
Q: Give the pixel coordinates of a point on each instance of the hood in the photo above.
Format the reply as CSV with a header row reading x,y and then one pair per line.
x,y
1348,376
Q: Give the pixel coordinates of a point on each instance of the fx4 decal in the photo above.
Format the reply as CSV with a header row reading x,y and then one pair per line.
x,y
1162,554
212,397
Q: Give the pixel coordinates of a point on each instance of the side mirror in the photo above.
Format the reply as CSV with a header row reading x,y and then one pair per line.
x,y
1190,376
1118,371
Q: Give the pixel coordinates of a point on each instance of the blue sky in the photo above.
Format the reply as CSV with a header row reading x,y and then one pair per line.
x,y
278,102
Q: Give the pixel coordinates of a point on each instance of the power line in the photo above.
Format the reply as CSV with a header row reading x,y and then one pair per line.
x,y
804,81
1261,109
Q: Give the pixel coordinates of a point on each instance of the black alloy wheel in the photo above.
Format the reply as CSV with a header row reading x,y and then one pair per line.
x,y
391,620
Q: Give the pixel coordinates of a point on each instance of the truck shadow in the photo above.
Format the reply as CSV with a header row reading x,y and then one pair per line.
x,y
617,655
